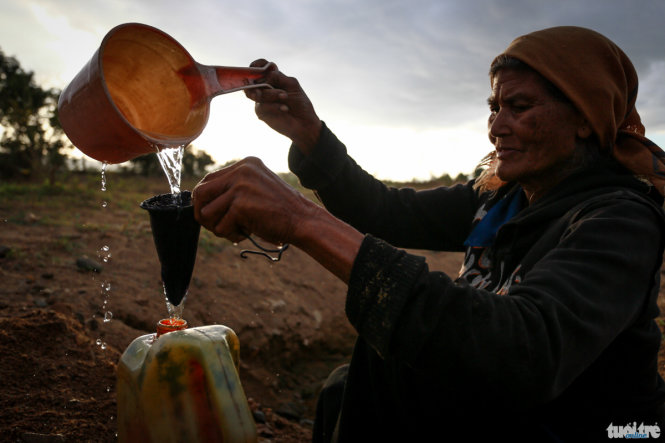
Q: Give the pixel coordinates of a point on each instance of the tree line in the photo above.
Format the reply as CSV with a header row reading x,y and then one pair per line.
x,y
33,145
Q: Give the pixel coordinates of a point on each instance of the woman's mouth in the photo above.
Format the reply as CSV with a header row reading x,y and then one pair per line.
x,y
506,153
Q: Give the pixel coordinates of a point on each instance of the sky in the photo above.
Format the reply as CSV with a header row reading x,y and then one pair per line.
x,y
403,84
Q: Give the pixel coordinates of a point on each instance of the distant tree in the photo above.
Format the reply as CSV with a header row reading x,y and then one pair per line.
x,y
461,178
32,141
146,165
445,180
195,162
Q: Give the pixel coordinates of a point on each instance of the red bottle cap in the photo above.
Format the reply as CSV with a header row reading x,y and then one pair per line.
x,y
167,325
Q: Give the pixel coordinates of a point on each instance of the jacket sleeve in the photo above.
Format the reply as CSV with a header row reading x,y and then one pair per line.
x,y
530,344
431,219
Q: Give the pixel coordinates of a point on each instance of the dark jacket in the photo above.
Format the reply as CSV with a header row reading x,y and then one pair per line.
x,y
548,333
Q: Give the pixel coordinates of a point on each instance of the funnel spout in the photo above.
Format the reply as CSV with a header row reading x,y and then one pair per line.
x,y
176,235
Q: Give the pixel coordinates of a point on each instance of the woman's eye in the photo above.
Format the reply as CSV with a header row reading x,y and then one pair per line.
x,y
520,107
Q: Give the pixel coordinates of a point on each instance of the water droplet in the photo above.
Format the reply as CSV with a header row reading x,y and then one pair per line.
x,y
104,204
104,165
104,253
98,342
108,389
108,316
103,346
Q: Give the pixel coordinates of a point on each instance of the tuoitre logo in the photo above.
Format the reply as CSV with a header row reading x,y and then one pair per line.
x,y
633,431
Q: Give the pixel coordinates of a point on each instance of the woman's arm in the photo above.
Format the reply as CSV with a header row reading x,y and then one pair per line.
x,y
437,219
247,198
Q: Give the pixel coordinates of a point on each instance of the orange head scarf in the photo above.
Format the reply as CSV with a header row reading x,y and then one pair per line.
x,y
600,80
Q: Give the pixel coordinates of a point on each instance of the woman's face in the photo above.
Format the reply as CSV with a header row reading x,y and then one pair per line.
x,y
534,134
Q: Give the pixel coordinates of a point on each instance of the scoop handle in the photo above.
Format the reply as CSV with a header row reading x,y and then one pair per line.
x,y
224,79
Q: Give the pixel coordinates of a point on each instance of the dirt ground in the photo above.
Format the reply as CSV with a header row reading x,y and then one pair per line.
x,y
60,355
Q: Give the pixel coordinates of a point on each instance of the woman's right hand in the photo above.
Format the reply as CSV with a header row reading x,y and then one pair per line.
x,y
286,108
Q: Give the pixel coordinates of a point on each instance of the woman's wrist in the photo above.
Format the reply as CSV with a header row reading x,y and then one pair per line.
x,y
306,139
329,240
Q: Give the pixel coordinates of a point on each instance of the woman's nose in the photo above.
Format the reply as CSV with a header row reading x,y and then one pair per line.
x,y
498,125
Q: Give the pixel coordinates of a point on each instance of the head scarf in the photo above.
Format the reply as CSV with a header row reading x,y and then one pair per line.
x,y
600,80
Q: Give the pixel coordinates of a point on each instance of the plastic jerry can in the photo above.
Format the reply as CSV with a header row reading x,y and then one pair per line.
x,y
183,386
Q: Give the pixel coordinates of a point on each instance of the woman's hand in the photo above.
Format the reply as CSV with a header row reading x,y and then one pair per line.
x,y
247,198
286,108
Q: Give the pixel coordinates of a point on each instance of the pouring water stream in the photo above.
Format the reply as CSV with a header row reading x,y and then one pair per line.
x,y
170,158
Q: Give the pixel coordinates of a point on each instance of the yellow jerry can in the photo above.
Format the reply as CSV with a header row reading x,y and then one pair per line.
x,y
183,386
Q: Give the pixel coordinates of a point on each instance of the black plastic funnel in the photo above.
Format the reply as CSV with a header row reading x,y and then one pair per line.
x,y
176,235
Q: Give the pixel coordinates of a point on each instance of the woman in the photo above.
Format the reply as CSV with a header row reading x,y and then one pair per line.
x,y
548,333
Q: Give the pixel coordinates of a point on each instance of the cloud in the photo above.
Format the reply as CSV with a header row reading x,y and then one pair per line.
x,y
651,97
